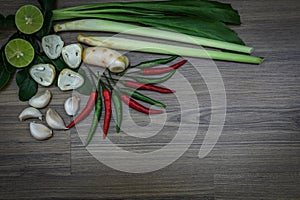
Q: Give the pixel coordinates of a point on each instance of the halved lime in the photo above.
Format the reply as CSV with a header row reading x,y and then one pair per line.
x,y
19,53
29,19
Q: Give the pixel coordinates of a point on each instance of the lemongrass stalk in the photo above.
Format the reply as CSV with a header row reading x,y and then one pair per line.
x,y
117,27
152,47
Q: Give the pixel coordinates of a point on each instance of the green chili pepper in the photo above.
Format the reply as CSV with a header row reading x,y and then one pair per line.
x,y
136,95
153,80
118,109
152,63
97,115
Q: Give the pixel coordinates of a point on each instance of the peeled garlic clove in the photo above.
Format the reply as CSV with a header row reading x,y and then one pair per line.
x,y
30,112
40,131
41,99
52,46
72,105
43,74
69,80
105,57
54,120
72,55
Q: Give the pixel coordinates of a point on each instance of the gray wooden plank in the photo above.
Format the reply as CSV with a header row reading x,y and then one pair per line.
x,y
257,186
112,185
20,154
256,157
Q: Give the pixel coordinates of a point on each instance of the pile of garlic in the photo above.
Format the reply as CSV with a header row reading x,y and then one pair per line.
x,y
53,119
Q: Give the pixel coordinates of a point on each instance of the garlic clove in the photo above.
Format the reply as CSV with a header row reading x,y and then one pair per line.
x,y
30,112
40,131
72,105
69,80
72,55
43,74
52,46
41,99
54,120
105,57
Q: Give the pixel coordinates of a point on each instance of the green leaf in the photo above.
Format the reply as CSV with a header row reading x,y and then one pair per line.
x,y
201,27
7,22
4,63
47,26
155,62
27,86
58,63
87,87
47,5
4,77
204,9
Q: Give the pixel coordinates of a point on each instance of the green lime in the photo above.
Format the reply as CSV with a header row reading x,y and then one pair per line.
x,y
29,19
19,53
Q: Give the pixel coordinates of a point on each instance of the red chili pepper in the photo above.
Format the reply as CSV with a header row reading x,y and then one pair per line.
x,y
154,71
139,107
142,86
107,104
87,109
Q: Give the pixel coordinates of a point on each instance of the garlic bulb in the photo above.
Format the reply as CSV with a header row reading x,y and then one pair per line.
x,y
72,55
52,46
30,112
69,80
43,74
72,105
41,99
54,120
105,57
40,131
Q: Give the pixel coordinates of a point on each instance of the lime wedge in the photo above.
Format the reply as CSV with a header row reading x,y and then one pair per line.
x,y
19,53
29,19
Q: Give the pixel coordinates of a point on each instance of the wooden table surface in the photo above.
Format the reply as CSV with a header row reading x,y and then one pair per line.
x,y
256,157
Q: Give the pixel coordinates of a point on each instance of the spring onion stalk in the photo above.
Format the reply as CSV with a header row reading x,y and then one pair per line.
x,y
118,27
152,47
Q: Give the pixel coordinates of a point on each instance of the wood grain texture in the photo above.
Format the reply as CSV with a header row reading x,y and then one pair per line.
x,y
256,157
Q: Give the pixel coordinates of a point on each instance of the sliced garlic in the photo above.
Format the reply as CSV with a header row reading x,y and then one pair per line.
x,y
41,99
69,80
40,131
72,55
54,120
105,57
43,74
72,105
30,112
52,46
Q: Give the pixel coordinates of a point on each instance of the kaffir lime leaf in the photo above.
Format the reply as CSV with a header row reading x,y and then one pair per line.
x,y
19,53
29,19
